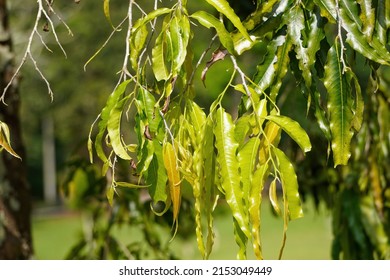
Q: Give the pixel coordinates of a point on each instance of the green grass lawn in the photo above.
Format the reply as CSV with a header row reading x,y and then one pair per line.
x,y
307,238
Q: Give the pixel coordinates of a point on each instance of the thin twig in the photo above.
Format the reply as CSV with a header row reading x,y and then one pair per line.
x,y
28,53
339,36
190,80
242,75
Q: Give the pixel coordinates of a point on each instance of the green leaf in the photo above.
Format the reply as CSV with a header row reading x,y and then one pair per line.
x,y
339,105
327,9
373,50
247,158
293,129
289,184
146,106
157,178
179,28
272,70
229,168
129,185
255,196
104,118
367,17
208,187
110,195
223,7
194,123
149,17
316,35
209,21
114,129
296,24
106,9
159,53
273,196
137,43
5,140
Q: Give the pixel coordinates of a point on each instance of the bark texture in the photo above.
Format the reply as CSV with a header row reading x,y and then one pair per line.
x,y
15,197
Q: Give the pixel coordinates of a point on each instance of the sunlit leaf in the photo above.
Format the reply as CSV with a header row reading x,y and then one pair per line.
x,y
367,16
159,59
229,169
289,184
223,7
113,99
255,197
273,196
248,157
137,42
149,17
293,129
180,33
170,164
208,186
296,25
5,140
114,130
209,21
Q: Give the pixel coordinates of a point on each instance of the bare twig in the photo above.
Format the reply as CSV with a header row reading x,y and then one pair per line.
x,y
242,75
28,53
339,36
125,71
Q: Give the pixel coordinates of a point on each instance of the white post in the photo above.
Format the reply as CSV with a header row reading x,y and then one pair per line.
x,y
49,161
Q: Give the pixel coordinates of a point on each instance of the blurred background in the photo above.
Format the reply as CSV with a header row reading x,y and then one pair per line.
x,y
56,131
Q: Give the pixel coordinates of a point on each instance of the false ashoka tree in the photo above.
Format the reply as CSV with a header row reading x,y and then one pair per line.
x,y
224,157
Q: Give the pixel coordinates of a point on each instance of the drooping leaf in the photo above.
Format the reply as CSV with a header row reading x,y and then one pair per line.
x,y
367,17
273,196
113,99
208,187
229,171
373,50
327,9
5,140
106,8
271,137
157,178
339,105
159,56
146,105
209,21
247,158
295,27
272,70
137,42
179,28
293,129
223,7
149,17
257,186
170,164
289,184
110,195
114,130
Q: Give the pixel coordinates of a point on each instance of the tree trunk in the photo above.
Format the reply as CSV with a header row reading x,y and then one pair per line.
x,y
15,199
